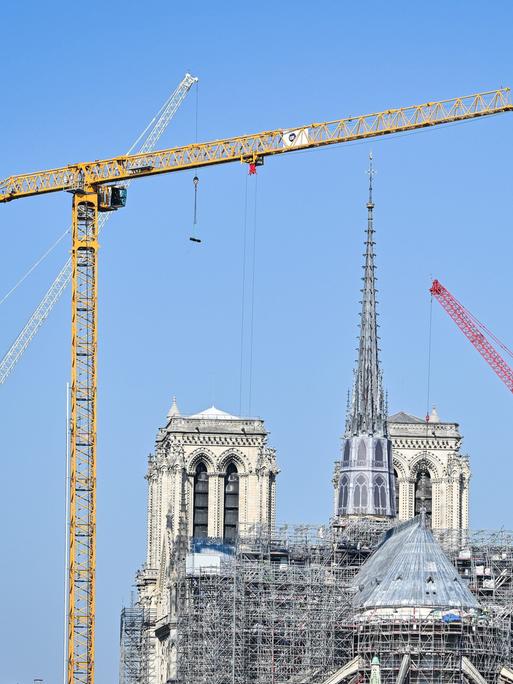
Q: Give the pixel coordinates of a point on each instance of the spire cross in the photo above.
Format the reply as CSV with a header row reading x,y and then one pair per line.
x,y
371,172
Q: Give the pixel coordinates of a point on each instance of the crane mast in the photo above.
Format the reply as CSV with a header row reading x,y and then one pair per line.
x,y
153,132
100,186
82,523
475,332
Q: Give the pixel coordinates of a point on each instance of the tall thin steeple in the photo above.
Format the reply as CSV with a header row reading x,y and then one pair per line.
x,y
367,410
366,484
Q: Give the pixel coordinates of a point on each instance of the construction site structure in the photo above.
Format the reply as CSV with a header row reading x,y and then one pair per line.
x,y
412,610
97,187
279,607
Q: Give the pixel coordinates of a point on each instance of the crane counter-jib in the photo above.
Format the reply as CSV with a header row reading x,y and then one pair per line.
x,y
255,147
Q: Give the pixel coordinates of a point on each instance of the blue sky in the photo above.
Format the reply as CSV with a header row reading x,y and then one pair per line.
x,y
79,84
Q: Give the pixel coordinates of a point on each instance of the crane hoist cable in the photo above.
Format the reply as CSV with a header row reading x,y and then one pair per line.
x,y
100,186
243,290
194,237
428,383
195,180
252,296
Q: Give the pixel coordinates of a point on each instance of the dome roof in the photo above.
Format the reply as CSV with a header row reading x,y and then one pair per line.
x,y
409,570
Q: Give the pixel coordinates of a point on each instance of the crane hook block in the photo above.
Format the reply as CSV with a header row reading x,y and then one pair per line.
x,y
258,161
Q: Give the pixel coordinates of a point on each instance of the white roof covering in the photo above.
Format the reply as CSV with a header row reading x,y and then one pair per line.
x,y
214,413
409,569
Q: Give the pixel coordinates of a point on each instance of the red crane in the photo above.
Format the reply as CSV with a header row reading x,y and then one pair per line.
x,y
476,332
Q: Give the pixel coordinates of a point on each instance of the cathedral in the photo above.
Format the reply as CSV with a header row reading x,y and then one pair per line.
x,y
393,588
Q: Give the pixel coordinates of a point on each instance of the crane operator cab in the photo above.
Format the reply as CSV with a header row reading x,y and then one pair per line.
x,y
111,197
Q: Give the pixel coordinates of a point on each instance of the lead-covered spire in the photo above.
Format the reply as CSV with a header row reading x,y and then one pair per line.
x,y
367,411
366,485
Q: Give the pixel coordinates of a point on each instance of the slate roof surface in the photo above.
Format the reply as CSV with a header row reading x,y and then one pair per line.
x,y
402,417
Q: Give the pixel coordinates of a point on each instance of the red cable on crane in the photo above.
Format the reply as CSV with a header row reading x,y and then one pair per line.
x,y
475,332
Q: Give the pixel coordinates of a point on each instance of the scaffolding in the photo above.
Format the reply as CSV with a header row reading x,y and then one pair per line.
x,y
271,608
276,607
436,649
137,645
132,652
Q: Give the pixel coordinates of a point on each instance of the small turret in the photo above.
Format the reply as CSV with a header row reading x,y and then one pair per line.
x,y
174,410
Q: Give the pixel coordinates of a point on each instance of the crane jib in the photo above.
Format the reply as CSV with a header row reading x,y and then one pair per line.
x,y
250,148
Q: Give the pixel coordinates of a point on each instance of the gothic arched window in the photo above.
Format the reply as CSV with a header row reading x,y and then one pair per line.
x,y
396,486
347,451
231,502
380,496
378,453
362,454
200,512
360,495
423,491
343,495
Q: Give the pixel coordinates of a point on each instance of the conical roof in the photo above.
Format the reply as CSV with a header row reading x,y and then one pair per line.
x,y
174,410
409,570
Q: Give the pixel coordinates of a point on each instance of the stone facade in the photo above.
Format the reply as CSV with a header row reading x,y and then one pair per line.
x,y
211,474
429,470
429,466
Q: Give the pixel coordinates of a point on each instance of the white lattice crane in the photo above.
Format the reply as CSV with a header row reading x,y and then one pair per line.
x,y
150,137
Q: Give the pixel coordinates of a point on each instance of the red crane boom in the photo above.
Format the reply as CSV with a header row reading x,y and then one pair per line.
x,y
476,332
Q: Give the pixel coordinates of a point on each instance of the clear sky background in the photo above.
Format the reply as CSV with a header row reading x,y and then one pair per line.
x,y
79,83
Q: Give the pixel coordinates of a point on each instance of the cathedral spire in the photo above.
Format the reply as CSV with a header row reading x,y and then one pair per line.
x,y
367,484
367,411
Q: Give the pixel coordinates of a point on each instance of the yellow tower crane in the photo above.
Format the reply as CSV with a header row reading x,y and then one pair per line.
x,y
98,186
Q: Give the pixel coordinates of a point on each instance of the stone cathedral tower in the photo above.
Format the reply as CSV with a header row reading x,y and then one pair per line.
x,y
365,474
211,475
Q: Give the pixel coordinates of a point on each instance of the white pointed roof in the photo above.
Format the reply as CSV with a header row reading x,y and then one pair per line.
x,y
174,410
214,413
433,416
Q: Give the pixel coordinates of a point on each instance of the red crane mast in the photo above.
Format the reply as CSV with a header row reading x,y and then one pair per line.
x,y
476,332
